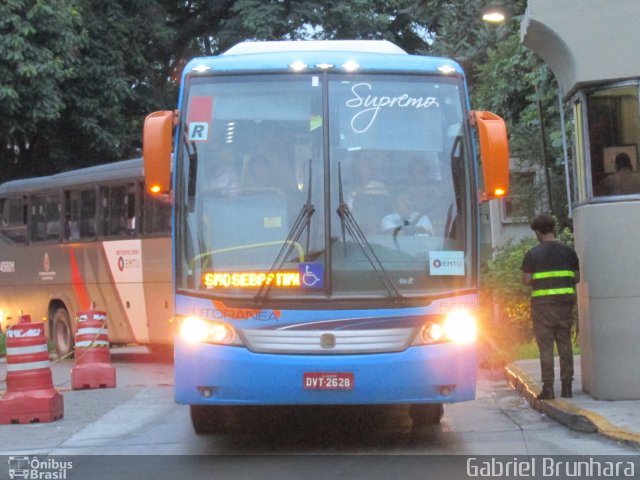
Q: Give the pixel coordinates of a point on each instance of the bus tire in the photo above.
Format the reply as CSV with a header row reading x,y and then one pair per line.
x,y
426,414
209,419
63,338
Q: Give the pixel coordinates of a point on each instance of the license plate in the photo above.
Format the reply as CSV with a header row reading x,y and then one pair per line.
x,y
328,381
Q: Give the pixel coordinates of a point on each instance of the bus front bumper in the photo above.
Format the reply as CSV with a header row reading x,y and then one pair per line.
x,y
209,374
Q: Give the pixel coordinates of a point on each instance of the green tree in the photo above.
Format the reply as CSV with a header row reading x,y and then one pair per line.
x,y
117,82
510,80
39,42
78,76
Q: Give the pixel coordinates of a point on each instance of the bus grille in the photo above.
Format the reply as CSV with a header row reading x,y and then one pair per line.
x,y
336,342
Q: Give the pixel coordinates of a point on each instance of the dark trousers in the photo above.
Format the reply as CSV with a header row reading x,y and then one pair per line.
x,y
552,323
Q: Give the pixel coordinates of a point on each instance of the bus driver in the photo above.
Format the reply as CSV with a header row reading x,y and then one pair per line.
x,y
405,220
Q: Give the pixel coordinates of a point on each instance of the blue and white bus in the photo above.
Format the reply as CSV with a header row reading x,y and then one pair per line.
x,y
325,227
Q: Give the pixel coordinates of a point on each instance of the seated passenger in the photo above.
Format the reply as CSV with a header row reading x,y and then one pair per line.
x,y
624,182
405,220
226,181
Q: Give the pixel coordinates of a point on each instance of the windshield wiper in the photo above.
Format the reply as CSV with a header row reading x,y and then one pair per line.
x,y
301,223
349,223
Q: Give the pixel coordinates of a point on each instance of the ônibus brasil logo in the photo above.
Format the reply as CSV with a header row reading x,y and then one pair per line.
x,y
32,468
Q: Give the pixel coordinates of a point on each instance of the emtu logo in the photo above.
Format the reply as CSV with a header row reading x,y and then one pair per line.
x,y
128,263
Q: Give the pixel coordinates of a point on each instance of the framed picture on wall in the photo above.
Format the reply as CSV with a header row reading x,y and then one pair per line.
x,y
610,154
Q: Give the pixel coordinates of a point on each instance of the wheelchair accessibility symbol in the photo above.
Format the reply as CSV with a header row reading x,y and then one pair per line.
x,y
311,275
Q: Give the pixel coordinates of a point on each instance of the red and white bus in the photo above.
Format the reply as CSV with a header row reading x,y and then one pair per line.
x,y
87,236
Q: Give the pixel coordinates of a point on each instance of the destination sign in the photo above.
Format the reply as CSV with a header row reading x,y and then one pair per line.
x,y
288,279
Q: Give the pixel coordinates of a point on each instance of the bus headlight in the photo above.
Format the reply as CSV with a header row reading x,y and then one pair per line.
x,y
460,327
434,332
198,330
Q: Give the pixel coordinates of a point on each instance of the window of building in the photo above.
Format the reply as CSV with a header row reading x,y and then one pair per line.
x,y
613,122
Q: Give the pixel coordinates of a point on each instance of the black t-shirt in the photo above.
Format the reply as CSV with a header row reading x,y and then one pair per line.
x,y
552,265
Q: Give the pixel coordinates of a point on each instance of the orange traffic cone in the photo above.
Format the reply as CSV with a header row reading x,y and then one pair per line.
x,y
93,367
30,396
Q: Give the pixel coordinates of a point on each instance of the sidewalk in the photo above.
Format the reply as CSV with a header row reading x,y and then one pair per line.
x,y
618,420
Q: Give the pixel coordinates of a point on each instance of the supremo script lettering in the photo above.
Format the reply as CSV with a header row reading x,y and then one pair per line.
x,y
369,105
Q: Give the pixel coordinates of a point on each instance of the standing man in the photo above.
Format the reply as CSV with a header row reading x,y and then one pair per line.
x,y
552,269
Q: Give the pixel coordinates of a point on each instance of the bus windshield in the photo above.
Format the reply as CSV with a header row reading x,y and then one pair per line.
x,y
323,186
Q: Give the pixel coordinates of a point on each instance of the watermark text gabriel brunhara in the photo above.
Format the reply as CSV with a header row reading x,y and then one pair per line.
x,y
538,467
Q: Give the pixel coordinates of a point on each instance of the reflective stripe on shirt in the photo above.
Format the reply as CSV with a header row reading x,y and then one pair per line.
x,y
560,290
553,291
556,274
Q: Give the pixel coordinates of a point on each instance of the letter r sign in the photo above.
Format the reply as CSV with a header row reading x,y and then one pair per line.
x,y
198,131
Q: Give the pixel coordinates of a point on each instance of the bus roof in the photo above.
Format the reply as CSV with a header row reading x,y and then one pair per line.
x,y
371,46
99,173
330,55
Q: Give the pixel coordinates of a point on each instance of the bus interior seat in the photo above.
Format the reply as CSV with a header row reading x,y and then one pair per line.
x,y
53,230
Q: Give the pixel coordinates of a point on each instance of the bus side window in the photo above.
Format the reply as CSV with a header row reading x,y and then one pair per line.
x,y
52,217
130,226
112,216
156,215
14,223
45,217
87,218
80,222
36,219
70,216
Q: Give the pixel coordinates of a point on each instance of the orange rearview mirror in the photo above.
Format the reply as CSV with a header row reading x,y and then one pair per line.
x,y
157,141
494,154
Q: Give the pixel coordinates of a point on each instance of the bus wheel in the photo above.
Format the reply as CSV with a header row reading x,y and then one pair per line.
x,y
209,418
426,414
62,332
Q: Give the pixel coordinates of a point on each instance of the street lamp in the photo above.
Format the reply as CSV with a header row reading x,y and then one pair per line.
x,y
494,13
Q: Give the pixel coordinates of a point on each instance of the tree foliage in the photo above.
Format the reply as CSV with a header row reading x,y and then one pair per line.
x,y
38,54
78,76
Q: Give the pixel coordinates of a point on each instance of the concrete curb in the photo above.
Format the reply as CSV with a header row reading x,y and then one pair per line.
x,y
565,412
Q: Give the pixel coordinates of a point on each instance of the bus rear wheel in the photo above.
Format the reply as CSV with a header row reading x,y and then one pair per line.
x,y
62,332
210,418
426,414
